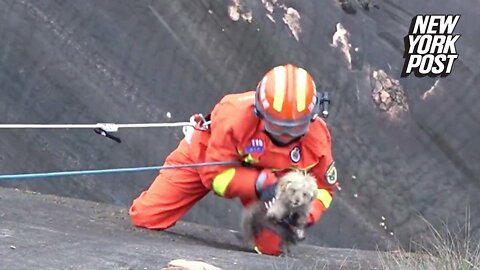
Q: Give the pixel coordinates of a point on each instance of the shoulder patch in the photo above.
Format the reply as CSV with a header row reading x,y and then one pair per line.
x,y
295,154
331,174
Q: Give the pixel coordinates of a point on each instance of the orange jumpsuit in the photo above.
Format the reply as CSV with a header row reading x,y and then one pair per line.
x,y
235,133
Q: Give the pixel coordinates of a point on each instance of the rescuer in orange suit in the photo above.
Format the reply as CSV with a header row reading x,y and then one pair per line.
x,y
270,131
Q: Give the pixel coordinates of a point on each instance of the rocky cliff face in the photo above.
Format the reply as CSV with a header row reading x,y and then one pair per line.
x,y
404,146
41,231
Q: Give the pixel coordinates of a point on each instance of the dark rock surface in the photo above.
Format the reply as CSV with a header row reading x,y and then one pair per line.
x,y
160,61
49,232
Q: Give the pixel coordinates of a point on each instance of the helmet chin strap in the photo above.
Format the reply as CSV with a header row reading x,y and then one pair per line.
x,y
279,143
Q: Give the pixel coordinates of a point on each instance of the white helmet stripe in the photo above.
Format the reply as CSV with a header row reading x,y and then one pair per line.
x,y
263,97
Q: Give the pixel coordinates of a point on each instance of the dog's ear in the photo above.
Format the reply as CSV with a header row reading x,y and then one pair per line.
x,y
284,184
314,194
313,189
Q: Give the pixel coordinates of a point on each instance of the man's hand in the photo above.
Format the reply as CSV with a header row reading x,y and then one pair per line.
x,y
266,187
268,194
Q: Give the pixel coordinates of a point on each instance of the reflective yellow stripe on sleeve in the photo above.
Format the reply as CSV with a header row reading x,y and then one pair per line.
x,y
324,196
222,180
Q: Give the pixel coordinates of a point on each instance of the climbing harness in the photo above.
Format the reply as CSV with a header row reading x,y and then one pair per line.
x,y
197,122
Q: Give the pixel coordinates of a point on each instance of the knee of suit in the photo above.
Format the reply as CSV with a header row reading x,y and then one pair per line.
x,y
144,217
268,242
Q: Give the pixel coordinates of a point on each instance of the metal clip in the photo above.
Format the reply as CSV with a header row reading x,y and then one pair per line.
x,y
201,122
109,127
324,102
105,133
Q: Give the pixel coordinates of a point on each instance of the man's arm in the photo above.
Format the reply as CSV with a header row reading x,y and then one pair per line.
x,y
326,175
230,181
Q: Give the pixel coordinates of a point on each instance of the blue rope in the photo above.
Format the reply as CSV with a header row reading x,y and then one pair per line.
x,y
118,170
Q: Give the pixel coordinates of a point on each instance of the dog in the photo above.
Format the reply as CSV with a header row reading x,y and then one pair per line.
x,y
287,214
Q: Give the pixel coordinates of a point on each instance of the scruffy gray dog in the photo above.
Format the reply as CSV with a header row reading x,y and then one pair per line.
x,y
294,196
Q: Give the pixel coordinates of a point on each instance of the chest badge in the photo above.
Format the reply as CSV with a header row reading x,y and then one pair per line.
x,y
256,146
295,154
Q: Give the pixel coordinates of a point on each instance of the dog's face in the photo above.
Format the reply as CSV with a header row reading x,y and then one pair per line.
x,y
299,189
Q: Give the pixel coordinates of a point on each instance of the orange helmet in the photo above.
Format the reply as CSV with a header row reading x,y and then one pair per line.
x,y
286,98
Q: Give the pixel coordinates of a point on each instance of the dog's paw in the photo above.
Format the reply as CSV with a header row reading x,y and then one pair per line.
x,y
300,233
272,215
275,215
